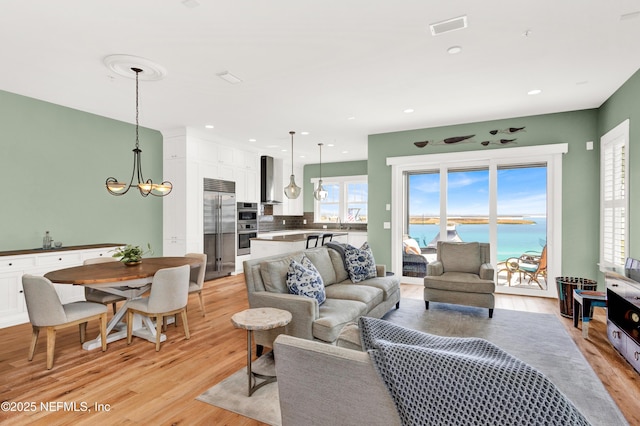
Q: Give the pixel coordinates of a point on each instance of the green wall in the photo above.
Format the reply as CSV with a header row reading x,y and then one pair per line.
x,y
53,165
623,104
580,232
346,168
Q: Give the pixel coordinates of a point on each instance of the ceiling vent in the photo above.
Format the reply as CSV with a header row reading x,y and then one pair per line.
x,y
448,25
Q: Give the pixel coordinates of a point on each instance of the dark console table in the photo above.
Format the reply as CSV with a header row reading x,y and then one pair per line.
x,y
623,316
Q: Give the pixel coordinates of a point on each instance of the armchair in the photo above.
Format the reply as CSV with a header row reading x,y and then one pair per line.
x,y
461,275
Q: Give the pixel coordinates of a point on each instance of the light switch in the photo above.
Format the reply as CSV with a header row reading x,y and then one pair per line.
x,y
388,207
589,145
284,221
387,225
304,221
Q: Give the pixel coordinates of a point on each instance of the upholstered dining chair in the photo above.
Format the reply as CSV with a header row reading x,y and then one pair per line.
x,y
196,279
98,296
169,295
46,311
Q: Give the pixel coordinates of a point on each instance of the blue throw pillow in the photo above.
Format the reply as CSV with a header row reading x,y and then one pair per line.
x,y
360,263
304,279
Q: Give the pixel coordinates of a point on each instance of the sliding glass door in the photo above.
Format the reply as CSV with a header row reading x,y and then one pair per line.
x,y
504,203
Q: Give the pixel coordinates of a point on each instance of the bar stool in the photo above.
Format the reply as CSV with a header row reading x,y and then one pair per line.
x,y
326,238
312,239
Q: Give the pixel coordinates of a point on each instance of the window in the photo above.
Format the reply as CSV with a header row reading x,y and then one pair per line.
x,y
346,200
614,204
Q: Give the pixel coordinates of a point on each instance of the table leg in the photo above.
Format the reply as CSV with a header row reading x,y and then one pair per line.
x,y
586,310
249,373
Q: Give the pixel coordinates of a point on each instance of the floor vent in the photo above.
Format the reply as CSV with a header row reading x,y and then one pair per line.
x,y
448,25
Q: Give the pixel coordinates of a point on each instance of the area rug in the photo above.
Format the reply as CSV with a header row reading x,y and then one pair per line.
x,y
538,339
231,394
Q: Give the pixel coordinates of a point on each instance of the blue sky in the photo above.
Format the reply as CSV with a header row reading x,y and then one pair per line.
x,y
521,192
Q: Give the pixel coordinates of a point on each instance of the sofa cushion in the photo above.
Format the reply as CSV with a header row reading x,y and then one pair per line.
x,y
368,295
321,260
460,257
360,263
334,314
460,281
388,285
304,279
337,260
274,273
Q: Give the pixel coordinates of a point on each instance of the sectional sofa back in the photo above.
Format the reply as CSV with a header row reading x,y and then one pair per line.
x,y
270,273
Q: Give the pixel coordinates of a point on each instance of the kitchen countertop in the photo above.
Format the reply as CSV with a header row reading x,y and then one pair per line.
x,y
290,238
52,250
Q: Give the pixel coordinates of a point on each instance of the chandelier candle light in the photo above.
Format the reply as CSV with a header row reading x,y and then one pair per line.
x,y
320,193
145,187
292,190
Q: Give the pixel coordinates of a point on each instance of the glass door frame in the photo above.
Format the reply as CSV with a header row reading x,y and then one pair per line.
x,y
493,158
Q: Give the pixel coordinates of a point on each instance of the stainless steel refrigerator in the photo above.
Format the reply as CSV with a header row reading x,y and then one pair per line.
x,y
219,227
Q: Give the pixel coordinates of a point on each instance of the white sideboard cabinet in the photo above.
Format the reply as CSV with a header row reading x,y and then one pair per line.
x,y
13,309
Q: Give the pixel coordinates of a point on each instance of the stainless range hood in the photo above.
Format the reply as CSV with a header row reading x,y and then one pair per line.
x,y
268,186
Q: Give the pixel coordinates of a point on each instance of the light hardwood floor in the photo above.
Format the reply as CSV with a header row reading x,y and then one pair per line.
x,y
141,386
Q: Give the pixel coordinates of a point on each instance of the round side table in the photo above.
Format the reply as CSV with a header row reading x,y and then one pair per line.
x,y
259,319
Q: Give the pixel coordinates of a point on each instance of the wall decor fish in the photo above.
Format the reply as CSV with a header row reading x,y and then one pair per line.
x,y
505,141
421,144
508,131
457,139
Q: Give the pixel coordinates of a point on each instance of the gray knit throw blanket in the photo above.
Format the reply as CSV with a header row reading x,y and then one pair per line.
x,y
436,380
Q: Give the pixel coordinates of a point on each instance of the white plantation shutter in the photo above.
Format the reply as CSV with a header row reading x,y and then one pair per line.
x,y
613,197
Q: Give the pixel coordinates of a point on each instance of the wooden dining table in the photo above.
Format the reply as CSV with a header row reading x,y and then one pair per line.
x,y
128,281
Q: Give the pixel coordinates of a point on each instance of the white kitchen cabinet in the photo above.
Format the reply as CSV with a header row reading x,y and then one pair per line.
x,y
182,209
13,309
357,239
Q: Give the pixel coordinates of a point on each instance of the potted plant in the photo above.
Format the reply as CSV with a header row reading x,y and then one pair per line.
x,y
132,255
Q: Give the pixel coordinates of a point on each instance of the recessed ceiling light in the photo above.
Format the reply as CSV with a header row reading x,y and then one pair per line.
x,y
252,140
302,156
304,133
284,150
345,152
351,118
330,144
209,126
228,77
534,92
190,3
408,110
454,49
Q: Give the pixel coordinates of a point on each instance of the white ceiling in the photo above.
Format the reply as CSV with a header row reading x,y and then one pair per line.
x,y
310,65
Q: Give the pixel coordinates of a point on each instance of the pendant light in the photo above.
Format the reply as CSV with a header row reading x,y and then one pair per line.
x,y
145,187
320,193
292,190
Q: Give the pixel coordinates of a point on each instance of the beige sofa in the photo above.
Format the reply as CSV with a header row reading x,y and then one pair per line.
x,y
265,279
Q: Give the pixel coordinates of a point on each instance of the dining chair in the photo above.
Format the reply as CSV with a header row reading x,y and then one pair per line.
x,y
169,295
196,279
326,238
46,311
99,296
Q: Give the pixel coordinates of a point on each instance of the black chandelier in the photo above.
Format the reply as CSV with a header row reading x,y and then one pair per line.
x,y
147,186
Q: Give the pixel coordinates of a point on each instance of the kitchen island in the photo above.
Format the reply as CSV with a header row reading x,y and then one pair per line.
x,y
268,245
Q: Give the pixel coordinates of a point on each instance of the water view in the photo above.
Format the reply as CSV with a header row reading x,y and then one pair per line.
x,y
513,239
